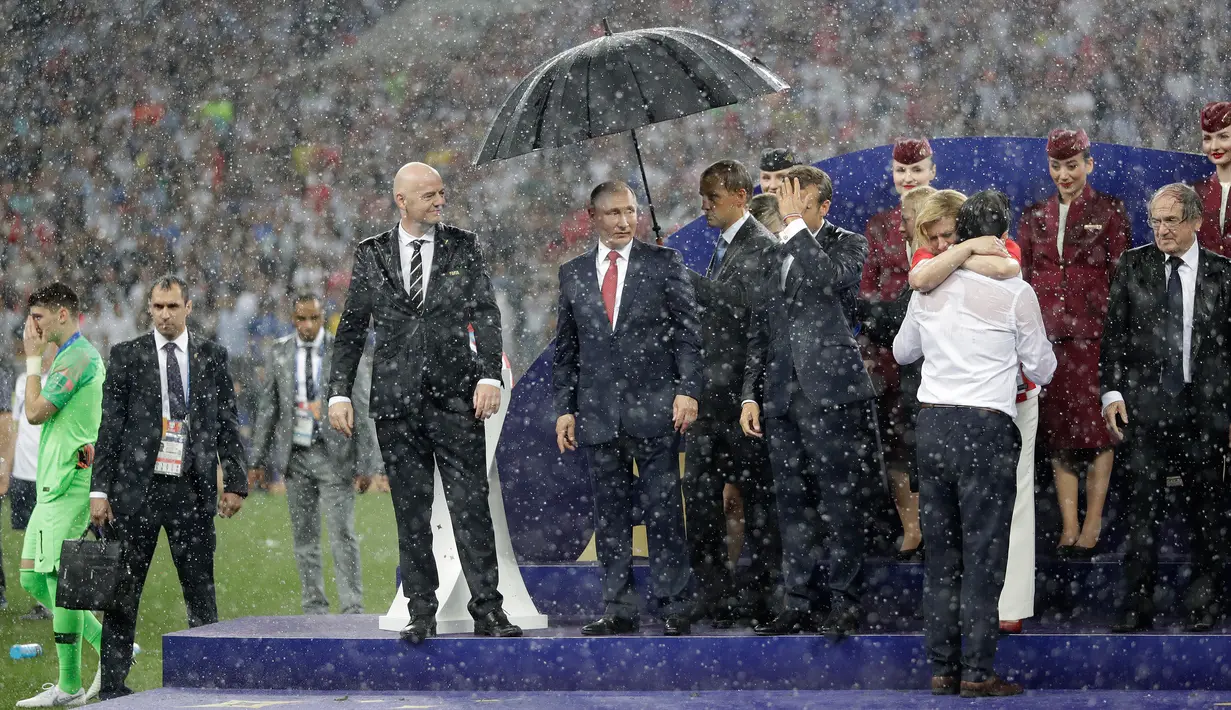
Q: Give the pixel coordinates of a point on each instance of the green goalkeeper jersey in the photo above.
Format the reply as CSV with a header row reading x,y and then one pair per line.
x,y
75,387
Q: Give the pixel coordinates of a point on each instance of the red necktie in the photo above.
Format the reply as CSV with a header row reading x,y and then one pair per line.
x,y
609,286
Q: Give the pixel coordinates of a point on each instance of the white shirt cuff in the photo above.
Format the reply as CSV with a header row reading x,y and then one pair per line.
x,y
1111,398
335,400
749,401
795,227
490,381
98,494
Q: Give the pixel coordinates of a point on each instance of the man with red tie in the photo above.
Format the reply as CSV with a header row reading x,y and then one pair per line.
x,y
1215,233
626,377
884,278
1070,246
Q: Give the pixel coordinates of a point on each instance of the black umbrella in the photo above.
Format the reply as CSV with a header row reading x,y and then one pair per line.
x,y
622,82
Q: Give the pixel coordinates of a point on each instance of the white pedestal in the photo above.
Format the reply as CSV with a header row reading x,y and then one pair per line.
x,y
453,594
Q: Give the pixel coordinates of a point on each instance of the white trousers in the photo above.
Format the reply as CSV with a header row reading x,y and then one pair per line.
x,y
1017,597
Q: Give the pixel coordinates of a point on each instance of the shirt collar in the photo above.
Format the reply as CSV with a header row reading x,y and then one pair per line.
x,y
729,233
160,341
1189,257
406,237
320,337
623,251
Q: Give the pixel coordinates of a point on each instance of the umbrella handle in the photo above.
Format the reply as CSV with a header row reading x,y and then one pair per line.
x,y
645,183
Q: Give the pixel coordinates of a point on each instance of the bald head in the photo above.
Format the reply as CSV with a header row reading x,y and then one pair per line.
x,y
420,196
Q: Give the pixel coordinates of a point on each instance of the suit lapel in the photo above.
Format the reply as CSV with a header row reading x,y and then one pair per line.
x,y
196,374
632,282
738,243
442,253
793,281
149,372
1205,300
391,265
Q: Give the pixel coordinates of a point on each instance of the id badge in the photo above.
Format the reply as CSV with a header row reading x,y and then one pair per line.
x,y
170,460
305,425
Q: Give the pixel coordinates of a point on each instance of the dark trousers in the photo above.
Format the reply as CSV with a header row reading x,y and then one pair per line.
x,y
820,458
967,485
22,495
172,505
717,453
1174,440
655,492
413,448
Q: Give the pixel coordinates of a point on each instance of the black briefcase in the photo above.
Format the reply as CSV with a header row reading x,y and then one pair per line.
x,y
89,573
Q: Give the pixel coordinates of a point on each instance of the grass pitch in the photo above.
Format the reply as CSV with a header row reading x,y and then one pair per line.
x,y
255,575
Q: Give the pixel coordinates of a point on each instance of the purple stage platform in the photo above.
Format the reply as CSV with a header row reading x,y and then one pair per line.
x,y
167,698
349,653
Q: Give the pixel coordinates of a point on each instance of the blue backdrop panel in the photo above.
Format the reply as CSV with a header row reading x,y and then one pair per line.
x,y
547,495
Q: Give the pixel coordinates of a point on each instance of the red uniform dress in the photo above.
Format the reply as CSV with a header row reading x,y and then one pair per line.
x,y
885,274
1211,237
1072,290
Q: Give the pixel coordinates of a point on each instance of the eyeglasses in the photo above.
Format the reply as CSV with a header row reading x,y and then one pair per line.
x,y
1169,222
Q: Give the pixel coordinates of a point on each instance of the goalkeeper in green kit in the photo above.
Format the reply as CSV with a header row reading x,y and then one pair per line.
x,y
70,407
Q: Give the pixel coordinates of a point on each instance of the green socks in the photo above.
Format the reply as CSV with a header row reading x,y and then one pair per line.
x,y
70,626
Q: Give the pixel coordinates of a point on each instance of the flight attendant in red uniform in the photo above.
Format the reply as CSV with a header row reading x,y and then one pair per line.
x,y
1215,233
884,277
1070,245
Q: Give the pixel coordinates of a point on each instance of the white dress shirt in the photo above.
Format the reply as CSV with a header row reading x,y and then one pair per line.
x,y
795,227
26,442
602,262
1188,286
1063,218
301,359
973,333
181,357
426,252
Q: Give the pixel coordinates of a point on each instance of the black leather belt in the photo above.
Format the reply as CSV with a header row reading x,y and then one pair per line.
x,y
925,405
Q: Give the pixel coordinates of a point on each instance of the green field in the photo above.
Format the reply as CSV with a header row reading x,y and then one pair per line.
x,y
255,573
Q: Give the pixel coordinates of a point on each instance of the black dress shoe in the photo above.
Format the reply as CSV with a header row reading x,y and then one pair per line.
x,y
788,622
723,617
1131,622
496,623
1065,552
842,623
1084,554
677,625
611,625
1199,622
419,629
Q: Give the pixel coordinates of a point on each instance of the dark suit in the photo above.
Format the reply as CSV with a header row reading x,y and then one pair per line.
x,y
621,384
144,503
805,368
423,382
1182,435
717,451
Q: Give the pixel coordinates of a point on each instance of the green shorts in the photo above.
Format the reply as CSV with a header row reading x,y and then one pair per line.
x,y
65,518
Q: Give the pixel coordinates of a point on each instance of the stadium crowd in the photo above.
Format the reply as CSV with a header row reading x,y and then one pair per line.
x,y
221,136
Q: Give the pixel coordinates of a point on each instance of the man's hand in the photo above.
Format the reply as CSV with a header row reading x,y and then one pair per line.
x,y
33,338
1116,416
362,483
566,433
986,246
750,420
791,200
100,512
342,417
486,400
683,412
256,478
229,505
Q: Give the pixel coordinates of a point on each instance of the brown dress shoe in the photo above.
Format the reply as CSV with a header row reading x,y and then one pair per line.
x,y
945,684
993,687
